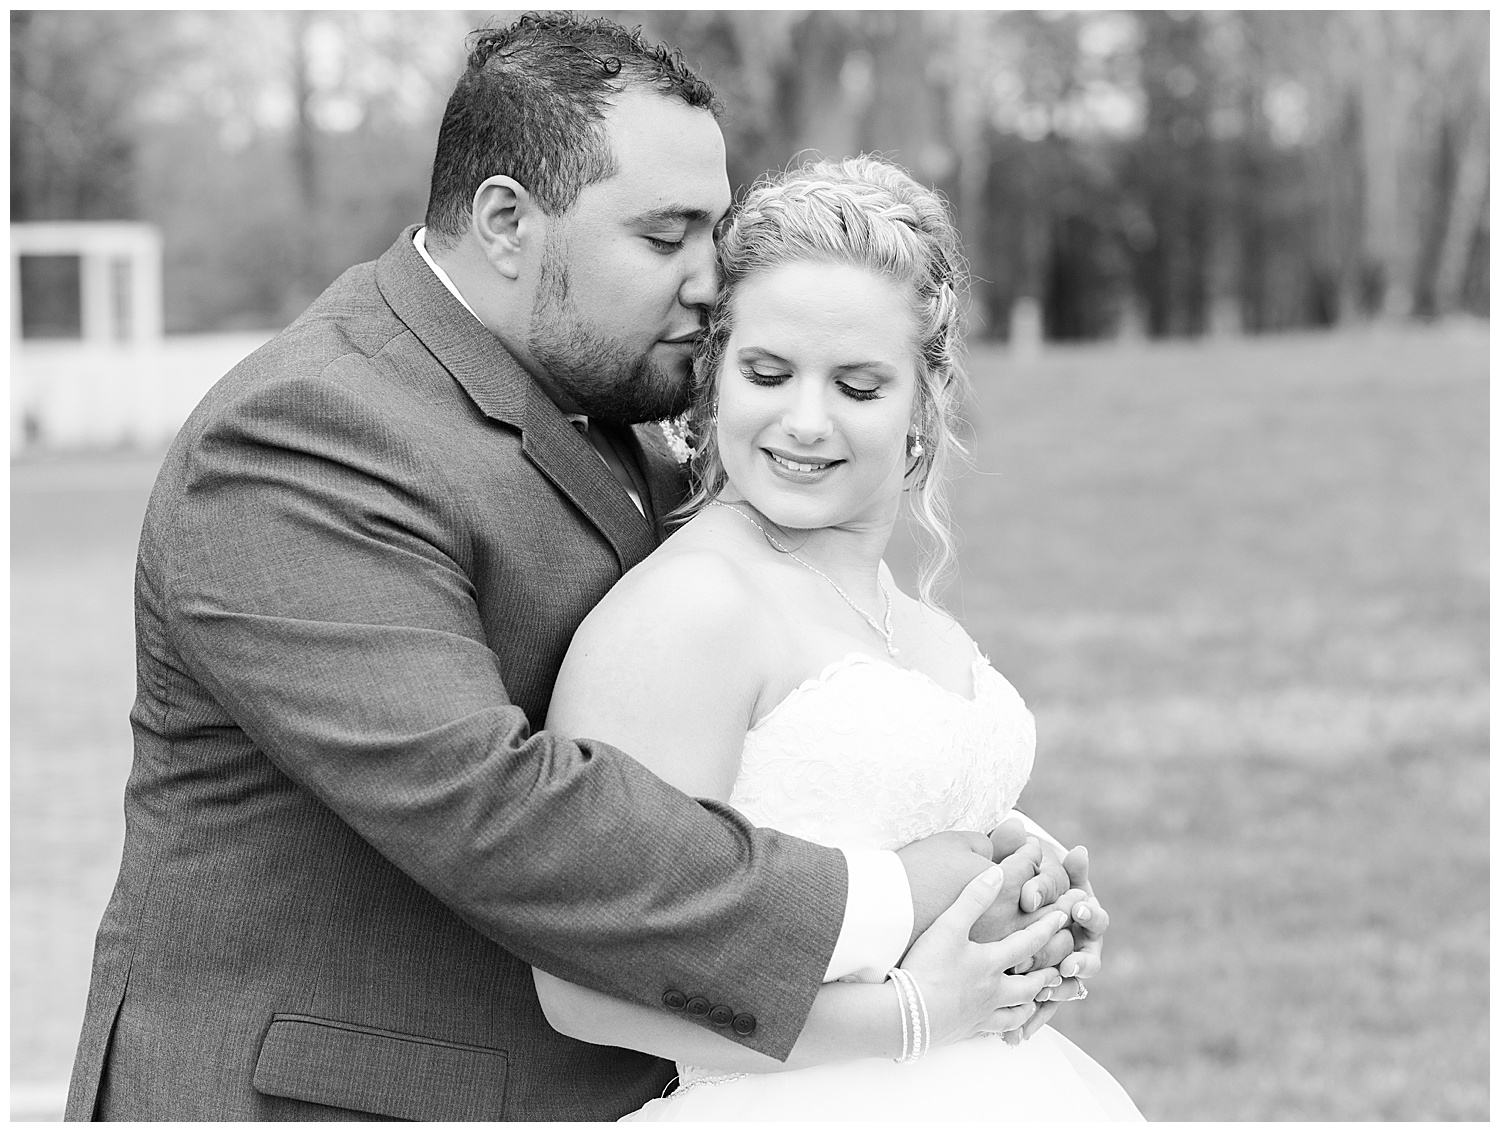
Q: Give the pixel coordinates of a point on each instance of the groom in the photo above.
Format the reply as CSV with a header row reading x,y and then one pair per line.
x,y
362,563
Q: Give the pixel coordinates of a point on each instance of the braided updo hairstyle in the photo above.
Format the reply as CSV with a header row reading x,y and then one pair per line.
x,y
861,212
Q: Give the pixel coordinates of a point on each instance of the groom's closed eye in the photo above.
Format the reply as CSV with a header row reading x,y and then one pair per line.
x,y
667,228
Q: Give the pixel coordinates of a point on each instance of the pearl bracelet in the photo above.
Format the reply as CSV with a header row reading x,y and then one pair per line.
x,y
905,1025
916,1027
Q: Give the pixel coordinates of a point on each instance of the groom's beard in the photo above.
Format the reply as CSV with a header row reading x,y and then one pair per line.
x,y
601,377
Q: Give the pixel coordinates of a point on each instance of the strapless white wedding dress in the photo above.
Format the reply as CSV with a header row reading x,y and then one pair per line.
x,y
869,755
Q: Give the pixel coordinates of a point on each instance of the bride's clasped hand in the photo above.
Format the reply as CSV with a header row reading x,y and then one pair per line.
x,y
765,657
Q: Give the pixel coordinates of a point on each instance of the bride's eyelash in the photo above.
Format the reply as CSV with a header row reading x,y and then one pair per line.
x,y
859,394
763,378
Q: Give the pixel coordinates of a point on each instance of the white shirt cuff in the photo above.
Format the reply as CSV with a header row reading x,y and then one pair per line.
x,y
877,918
1038,832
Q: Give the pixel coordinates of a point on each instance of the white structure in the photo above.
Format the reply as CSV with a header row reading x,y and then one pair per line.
x,y
90,366
1025,328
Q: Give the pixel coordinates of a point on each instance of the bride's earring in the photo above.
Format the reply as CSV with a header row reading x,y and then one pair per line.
x,y
915,449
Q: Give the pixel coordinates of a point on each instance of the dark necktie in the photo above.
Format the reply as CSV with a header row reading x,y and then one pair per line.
x,y
611,458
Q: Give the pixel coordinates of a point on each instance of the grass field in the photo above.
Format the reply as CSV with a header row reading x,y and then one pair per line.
x,y
1243,586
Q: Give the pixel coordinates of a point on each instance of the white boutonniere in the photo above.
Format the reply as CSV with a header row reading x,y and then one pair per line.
x,y
676,433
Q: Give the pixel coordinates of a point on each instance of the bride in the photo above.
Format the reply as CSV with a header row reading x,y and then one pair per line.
x,y
764,658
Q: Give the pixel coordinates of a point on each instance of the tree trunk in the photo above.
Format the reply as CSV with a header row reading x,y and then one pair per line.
x,y
304,164
1469,198
1387,105
830,85
970,32
1223,273
304,156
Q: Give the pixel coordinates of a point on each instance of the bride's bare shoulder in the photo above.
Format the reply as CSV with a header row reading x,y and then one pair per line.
x,y
688,594
668,666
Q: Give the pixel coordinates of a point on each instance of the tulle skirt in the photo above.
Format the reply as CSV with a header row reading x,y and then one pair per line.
x,y
1044,1078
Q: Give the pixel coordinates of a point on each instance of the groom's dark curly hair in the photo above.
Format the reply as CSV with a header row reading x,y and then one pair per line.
x,y
530,103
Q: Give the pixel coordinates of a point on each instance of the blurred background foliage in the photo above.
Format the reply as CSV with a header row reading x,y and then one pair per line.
x,y
1115,174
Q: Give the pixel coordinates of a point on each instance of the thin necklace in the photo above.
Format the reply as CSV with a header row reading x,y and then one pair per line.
x,y
885,633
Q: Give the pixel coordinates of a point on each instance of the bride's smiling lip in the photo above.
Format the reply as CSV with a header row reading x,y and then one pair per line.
x,y
797,468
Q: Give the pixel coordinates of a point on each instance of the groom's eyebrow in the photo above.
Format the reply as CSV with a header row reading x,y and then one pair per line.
x,y
673,213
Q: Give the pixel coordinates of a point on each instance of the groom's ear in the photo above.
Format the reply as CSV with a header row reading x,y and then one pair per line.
x,y
508,224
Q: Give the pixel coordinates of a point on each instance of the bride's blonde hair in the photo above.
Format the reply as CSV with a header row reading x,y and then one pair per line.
x,y
863,212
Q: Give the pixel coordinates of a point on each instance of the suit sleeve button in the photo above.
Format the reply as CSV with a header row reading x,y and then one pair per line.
x,y
744,1024
674,1000
697,1006
721,1016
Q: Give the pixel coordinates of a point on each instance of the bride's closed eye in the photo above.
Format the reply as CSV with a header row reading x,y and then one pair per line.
x,y
765,376
761,374
857,393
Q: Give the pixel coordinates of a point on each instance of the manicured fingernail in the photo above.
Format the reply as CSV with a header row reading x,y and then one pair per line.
x,y
993,876
1055,981
1023,966
1044,995
1069,967
1082,913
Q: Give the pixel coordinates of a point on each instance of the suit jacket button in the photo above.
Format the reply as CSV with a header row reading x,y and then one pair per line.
x,y
697,1006
721,1016
674,1000
744,1024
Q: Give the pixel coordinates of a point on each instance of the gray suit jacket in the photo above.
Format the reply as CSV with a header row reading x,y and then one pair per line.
x,y
361,566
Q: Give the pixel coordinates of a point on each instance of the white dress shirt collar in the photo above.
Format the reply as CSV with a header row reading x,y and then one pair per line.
x,y
420,241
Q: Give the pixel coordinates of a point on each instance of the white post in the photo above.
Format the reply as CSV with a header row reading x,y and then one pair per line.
x,y
1025,327
147,296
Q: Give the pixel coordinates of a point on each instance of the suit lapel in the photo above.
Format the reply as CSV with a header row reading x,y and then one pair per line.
x,y
504,392
563,455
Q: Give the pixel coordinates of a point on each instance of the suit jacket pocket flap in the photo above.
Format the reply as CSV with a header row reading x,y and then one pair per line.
x,y
378,1071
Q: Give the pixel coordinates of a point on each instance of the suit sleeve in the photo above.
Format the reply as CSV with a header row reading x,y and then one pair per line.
x,y
317,593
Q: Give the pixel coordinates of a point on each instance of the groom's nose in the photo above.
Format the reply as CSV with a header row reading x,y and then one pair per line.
x,y
701,283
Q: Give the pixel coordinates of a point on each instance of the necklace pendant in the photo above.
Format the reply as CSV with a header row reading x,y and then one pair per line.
x,y
883,632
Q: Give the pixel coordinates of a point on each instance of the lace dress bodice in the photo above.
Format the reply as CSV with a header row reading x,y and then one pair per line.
x,y
867,755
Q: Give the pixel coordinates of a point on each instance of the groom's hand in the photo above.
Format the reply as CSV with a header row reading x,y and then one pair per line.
x,y
1032,884
938,868
1051,886
1052,878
